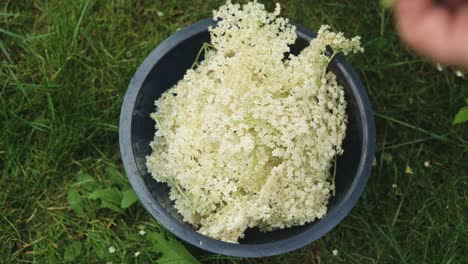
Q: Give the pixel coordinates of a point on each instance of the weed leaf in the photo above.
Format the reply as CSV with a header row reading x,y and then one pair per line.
x,y
462,116
111,206
129,198
72,251
74,201
116,178
172,251
87,182
108,195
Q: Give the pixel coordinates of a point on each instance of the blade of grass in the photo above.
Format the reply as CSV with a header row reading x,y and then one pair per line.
x,y
78,24
5,52
443,138
384,147
11,34
51,105
393,243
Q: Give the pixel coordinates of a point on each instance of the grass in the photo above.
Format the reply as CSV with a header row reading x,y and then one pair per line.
x,y
65,66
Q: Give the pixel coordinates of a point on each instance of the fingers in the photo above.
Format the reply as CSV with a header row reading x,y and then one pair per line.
x,y
459,32
433,30
411,10
451,3
425,30
422,25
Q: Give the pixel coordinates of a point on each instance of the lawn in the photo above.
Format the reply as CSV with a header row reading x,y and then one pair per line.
x,y
64,69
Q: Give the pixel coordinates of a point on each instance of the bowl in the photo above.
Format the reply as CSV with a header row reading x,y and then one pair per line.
x,y
162,69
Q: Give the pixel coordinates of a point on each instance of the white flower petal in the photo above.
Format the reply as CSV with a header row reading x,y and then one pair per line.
x,y
111,249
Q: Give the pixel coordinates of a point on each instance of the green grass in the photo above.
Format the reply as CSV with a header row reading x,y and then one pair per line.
x,y
65,66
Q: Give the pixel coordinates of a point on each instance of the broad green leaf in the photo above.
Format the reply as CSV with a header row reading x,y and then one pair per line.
x,y
129,198
172,251
108,195
87,182
74,201
462,116
98,246
72,251
116,178
111,206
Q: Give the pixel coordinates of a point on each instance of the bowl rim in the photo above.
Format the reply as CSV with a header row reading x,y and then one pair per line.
x,y
331,219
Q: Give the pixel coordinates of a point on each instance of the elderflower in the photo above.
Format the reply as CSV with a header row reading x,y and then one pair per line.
x,y
111,249
248,137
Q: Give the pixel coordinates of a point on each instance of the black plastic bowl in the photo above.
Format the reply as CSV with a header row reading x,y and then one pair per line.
x,y
162,69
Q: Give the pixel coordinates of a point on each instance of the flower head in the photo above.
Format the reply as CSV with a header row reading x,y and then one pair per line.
x,y
111,249
427,164
408,170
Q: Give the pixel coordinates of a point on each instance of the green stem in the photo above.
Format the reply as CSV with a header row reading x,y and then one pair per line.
x,y
156,118
462,143
202,49
334,175
326,66
254,158
193,207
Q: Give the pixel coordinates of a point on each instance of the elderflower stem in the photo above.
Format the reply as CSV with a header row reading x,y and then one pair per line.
x,y
158,122
328,63
254,158
334,174
202,49
193,207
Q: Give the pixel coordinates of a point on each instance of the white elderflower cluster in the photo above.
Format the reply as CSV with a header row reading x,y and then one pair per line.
x,y
248,137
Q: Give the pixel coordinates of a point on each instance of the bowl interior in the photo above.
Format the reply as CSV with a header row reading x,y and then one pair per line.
x,y
169,70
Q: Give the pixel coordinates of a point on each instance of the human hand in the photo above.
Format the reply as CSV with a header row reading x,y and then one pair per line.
x,y
435,29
